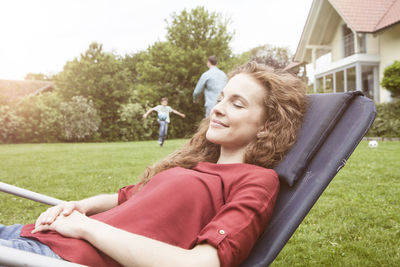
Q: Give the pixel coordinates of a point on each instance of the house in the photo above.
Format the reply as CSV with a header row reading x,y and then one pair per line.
x,y
350,43
14,91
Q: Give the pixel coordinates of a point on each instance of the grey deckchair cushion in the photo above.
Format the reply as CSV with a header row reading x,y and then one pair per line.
x,y
316,127
294,202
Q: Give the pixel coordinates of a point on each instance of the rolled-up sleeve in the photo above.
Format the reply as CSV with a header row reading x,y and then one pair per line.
x,y
126,192
237,226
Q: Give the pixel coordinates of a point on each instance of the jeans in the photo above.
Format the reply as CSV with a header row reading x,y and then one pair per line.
x,y
10,237
163,131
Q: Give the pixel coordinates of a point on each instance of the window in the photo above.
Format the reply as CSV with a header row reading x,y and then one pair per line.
x,y
362,41
348,41
329,83
320,85
367,80
339,81
351,79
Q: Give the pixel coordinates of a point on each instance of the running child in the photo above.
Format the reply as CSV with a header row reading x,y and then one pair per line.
x,y
163,111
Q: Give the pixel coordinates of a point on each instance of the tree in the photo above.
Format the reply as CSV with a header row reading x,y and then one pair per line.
x,y
102,78
205,33
172,68
391,79
37,77
274,56
131,63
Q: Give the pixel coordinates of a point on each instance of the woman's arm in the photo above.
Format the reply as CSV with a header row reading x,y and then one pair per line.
x,y
100,203
88,206
131,249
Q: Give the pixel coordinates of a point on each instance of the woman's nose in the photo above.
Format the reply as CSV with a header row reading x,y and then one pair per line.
x,y
219,109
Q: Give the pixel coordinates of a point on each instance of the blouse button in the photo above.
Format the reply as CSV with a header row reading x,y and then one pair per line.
x,y
221,232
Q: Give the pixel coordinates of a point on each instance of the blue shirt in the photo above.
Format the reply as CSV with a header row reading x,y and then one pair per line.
x,y
163,112
213,81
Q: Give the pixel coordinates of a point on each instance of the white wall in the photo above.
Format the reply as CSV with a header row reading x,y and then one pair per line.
x,y
389,44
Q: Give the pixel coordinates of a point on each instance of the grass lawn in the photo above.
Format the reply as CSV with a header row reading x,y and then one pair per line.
x,y
356,222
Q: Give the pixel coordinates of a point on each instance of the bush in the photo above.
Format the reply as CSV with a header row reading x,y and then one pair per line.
x,y
9,124
391,78
80,119
39,119
132,126
387,122
50,117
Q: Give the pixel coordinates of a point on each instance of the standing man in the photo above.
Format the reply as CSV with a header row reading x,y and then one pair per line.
x,y
213,81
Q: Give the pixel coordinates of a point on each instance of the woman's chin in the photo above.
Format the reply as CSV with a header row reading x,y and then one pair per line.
x,y
213,138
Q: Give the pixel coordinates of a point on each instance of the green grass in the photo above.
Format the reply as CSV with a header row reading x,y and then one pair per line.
x,y
71,171
356,222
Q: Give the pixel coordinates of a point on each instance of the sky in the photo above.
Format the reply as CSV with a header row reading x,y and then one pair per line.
x,y
41,36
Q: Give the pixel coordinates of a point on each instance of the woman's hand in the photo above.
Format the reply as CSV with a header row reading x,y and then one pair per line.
x,y
64,209
70,225
130,249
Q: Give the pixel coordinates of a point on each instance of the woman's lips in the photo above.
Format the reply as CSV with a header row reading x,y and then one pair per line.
x,y
217,123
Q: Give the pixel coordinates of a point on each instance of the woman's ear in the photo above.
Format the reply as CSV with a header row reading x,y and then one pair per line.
x,y
260,134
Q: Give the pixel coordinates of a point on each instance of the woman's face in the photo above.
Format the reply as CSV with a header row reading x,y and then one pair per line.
x,y
239,113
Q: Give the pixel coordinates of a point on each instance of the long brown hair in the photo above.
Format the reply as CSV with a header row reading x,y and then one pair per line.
x,y
285,105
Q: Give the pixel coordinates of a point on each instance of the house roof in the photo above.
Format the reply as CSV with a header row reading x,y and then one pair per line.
x,y
368,15
13,91
292,65
392,16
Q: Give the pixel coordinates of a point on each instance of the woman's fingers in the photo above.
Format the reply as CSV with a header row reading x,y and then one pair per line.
x,y
39,228
50,215
44,218
39,220
68,208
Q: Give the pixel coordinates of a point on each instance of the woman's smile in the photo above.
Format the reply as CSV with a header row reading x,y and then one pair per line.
x,y
214,123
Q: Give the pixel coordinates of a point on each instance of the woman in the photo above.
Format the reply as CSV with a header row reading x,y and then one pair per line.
x,y
204,205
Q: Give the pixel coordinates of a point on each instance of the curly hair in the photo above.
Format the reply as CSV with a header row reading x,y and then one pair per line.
x,y
285,105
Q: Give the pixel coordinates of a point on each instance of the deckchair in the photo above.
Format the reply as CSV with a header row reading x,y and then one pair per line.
x,y
333,127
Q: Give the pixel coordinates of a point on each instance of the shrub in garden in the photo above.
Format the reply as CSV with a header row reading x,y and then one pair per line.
x,y
387,122
80,119
391,78
132,126
50,117
9,124
39,119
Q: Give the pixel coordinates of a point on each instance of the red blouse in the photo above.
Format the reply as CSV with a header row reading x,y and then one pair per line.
x,y
224,205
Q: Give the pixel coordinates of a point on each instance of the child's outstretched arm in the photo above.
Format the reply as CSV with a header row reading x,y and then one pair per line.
x,y
178,113
147,113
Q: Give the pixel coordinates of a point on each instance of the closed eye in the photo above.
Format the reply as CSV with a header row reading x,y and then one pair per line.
x,y
238,105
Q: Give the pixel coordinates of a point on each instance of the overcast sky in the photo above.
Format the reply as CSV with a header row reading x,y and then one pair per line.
x,y
40,36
